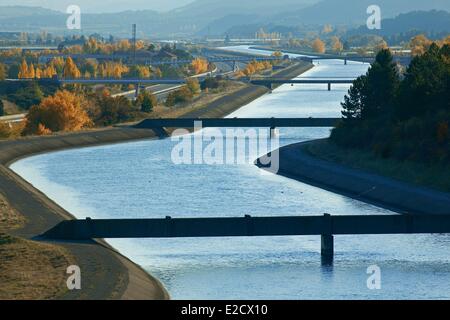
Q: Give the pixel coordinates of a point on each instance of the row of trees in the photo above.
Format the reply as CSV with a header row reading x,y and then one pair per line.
x,y
402,116
73,110
418,44
317,45
254,67
89,69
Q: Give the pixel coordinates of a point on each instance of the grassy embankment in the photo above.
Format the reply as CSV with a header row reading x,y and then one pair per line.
x,y
29,269
435,177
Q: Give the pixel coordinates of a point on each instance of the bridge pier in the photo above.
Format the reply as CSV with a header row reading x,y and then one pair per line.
x,y
329,86
136,88
327,242
326,249
273,132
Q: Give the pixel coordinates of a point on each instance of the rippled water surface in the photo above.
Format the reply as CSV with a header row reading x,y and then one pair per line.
x,y
138,179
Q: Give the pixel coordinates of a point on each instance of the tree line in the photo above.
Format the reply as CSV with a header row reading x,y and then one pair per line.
x,y
398,115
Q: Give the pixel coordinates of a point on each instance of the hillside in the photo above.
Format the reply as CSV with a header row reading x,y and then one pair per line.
x,y
354,11
428,22
213,17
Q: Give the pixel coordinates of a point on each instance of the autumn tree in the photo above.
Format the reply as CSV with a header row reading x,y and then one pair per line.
x,y
23,70
157,73
146,101
419,44
112,70
49,72
193,85
277,54
112,109
58,64
2,72
381,45
139,72
336,44
199,65
318,46
179,96
61,112
71,70
31,71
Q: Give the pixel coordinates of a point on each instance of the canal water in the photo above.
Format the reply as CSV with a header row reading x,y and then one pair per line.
x,y
140,180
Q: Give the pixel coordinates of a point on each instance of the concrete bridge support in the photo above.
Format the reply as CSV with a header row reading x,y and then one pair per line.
x,y
273,132
136,88
235,66
329,86
269,86
327,242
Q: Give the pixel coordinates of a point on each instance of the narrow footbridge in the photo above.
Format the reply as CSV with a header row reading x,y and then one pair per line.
x,y
326,226
148,60
402,59
121,81
236,122
269,82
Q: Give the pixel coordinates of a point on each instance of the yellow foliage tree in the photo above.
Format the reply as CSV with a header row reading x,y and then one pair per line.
x,y
419,44
23,70
31,71
43,130
254,67
38,73
2,72
61,112
318,46
124,45
158,73
193,85
71,70
199,65
112,70
336,44
48,72
382,45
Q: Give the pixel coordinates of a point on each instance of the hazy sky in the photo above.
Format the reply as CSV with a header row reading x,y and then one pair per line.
x,y
101,6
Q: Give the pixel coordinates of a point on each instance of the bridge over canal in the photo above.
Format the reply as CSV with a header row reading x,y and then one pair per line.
x,y
269,82
326,226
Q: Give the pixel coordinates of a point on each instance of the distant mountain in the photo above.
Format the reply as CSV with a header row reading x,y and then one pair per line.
x,y
22,11
220,26
89,6
347,12
213,17
190,19
429,22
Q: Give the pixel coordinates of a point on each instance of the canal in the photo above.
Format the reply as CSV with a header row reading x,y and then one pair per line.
x,y
140,180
